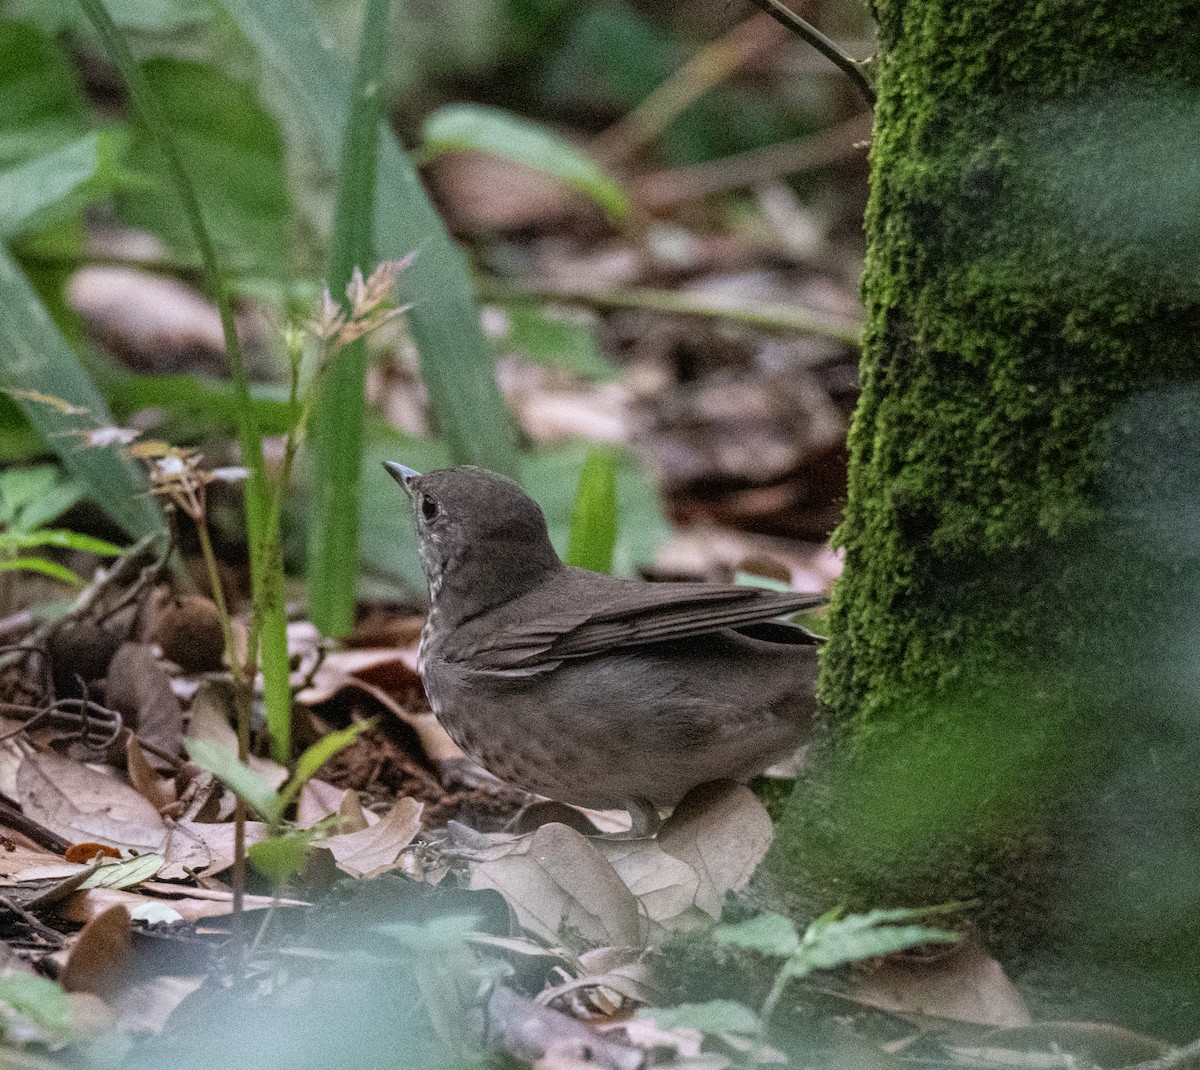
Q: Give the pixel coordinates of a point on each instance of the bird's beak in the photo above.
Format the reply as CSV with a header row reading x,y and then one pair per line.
x,y
402,475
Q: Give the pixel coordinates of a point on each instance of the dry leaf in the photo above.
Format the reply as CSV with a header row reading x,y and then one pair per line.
x,y
374,850
965,985
665,887
139,689
722,831
319,800
212,719
157,791
197,847
14,861
144,1007
99,960
1075,1043
557,882
192,904
81,804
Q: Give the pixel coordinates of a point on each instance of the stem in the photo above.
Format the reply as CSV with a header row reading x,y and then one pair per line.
x,y
781,13
243,683
266,579
769,1004
709,67
773,315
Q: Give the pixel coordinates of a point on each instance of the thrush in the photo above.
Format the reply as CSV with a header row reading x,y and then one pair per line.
x,y
587,688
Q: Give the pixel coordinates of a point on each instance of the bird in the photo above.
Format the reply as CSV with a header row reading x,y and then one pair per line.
x,y
591,689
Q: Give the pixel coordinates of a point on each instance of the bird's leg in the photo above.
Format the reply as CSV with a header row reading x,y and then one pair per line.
x,y
644,815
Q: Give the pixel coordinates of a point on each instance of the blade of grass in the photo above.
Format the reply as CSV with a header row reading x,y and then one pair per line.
x,y
593,535
336,433
456,362
265,560
35,358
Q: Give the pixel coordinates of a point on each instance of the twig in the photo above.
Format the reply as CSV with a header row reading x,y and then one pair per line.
x,y
772,315
710,66
781,13
12,818
666,189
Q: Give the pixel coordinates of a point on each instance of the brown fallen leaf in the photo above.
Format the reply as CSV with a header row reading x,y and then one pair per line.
x,y
376,849
139,688
156,790
198,847
1098,1044
558,883
192,904
964,985
212,719
722,831
81,804
14,861
383,674
319,800
98,961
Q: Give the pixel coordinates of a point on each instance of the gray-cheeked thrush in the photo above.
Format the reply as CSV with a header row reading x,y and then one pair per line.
x,y
590,689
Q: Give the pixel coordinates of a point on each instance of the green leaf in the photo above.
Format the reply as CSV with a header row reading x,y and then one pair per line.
x,y
560,338
64,540
40,564
41,107
127,873
456,363
233,151
30,188
35,495
715,1016
34,356
594,515
336,427
770,934
279,858
484,129
211,403
39,1001
149,16
551,476
316,756
830,943
252,786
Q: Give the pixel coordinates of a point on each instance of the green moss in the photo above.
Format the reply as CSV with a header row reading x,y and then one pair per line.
x,y
1029,277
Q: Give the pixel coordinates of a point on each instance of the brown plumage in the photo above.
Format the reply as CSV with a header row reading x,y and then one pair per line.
x,y
590,689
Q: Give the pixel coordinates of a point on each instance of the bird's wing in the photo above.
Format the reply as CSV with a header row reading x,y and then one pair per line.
x,y
632,614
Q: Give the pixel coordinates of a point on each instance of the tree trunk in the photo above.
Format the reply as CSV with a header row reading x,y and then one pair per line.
x,y
1024,474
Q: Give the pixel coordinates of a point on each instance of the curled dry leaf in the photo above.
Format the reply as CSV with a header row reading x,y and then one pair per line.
x,y
382,673
81,804
557,883
376,849
99,959
140,690
965,985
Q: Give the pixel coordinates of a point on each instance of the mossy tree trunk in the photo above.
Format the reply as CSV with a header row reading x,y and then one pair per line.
x,y
1025,433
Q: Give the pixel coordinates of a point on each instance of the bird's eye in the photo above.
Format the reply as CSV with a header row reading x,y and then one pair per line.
x,y
429,508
